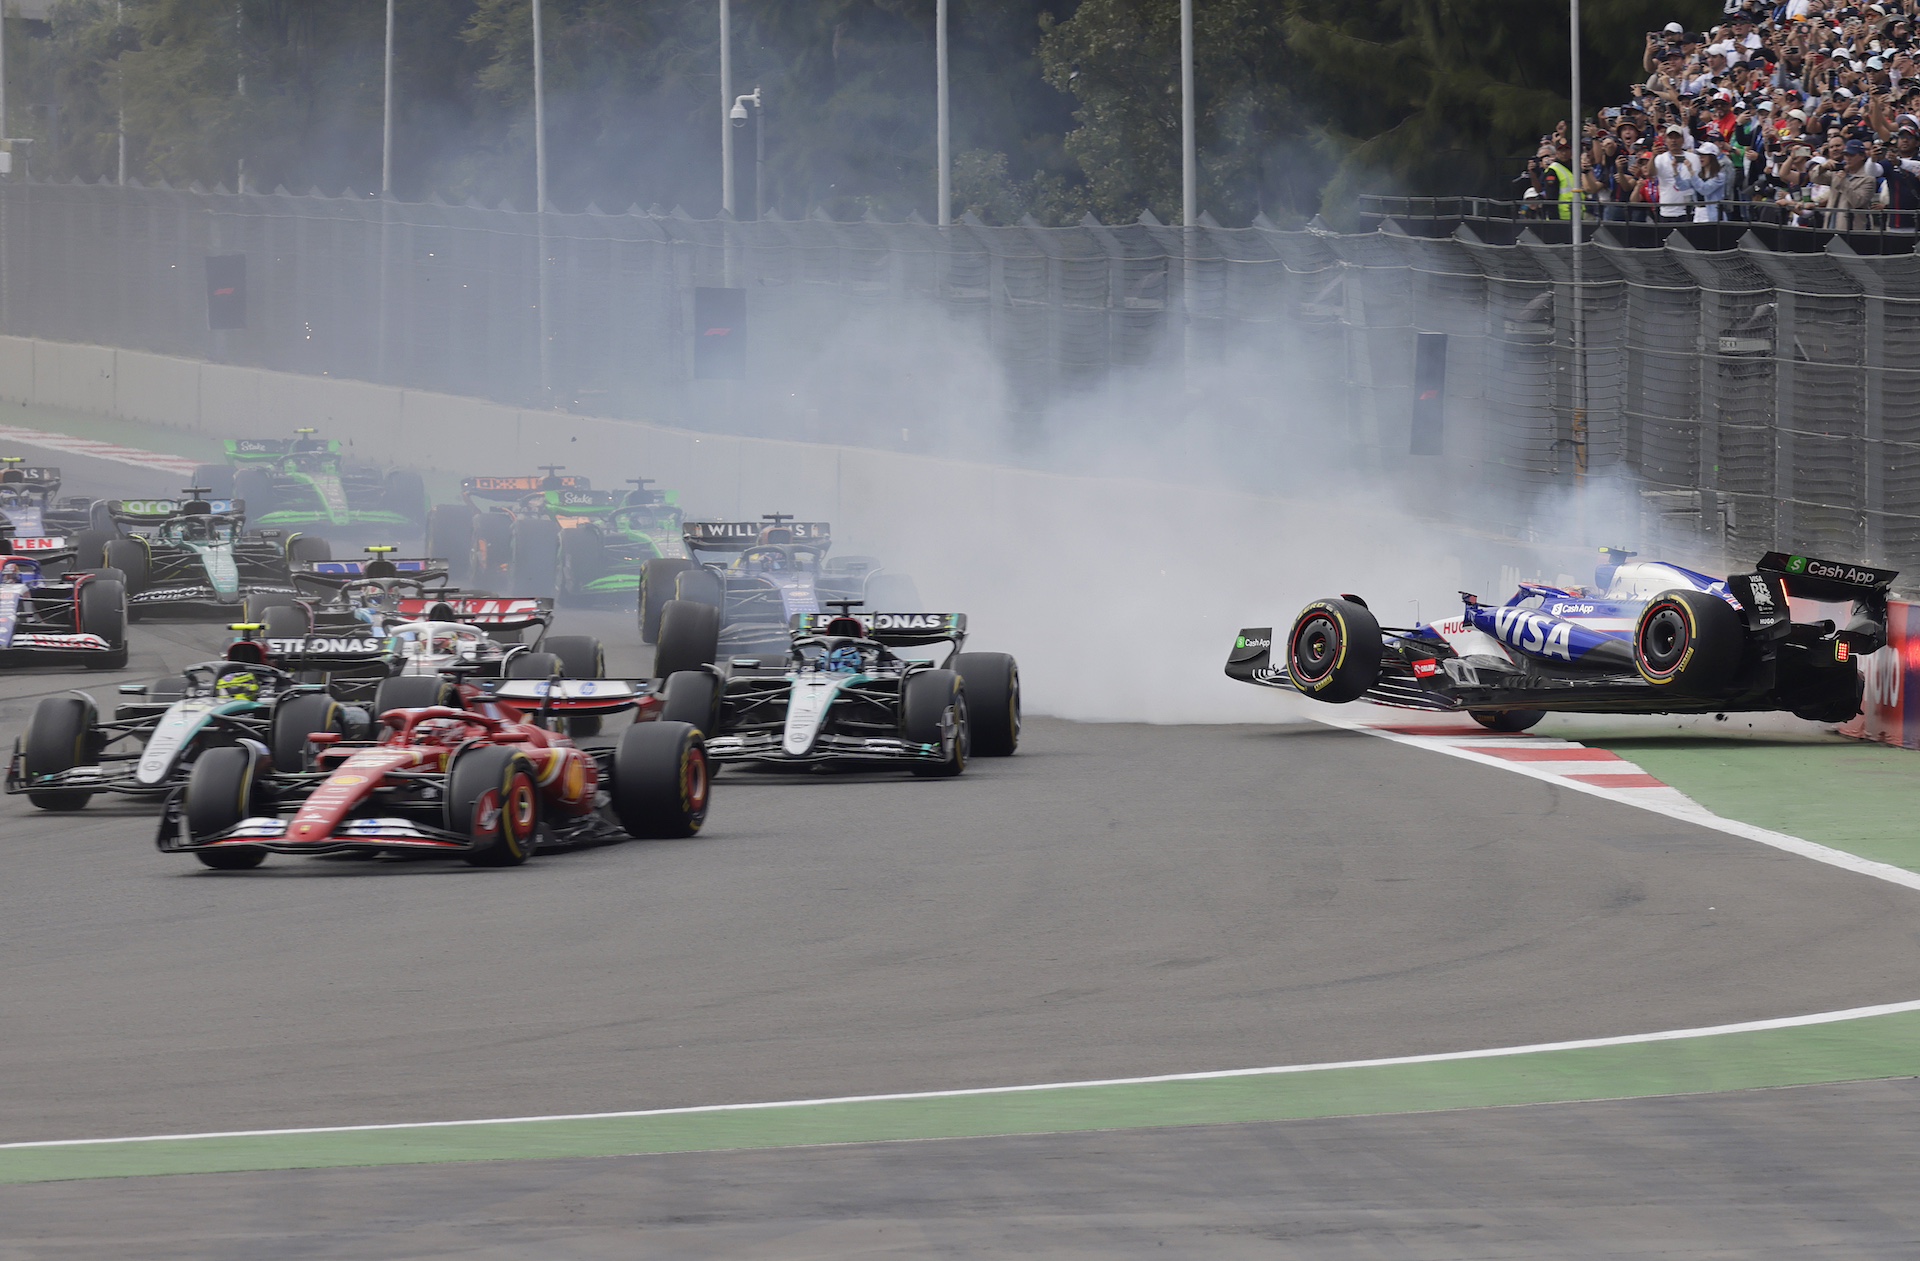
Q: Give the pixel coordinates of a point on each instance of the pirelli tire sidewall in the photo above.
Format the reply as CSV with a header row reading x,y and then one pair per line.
x,y
1688,642
1334,651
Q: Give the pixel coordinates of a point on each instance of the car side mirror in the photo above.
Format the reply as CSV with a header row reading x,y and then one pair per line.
x,y
133,689
323,738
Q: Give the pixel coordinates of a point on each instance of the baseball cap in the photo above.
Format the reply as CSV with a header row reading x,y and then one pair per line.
x,y
1856,146
1675,129
1714,149
1674,28
1799,114
1765,105
1529,194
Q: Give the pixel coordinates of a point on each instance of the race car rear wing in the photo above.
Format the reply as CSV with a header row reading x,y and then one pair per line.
x,y
149,511
1830,580
319,652
32,476
270,448
738,536
496,613
514,489
896,630
567,696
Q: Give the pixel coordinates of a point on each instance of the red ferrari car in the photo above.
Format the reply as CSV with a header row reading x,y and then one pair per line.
x,y
489,782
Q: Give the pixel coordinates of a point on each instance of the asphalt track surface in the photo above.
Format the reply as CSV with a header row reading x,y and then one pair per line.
x,y
1115,901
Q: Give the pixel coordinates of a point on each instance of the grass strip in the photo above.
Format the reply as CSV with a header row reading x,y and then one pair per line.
x,y
1869,1048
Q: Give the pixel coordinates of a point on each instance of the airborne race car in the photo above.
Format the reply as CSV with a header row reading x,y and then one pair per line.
x,y
306,483
846,697
486,781
1647,638
779,569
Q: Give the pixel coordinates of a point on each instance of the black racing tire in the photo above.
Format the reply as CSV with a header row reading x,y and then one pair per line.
x,y
287,621
254,488
216,479
657,579
582,559
414,691
61,735
1688,643
492,545
581,657
926,700
536,556
90,548
1507,720
493,798
254,607
661,784
993,702
450,537
103,612
406,494
220,790
130,557
533,665
1334,650
693,697
888,592
306,549
296,719
700,586
689,637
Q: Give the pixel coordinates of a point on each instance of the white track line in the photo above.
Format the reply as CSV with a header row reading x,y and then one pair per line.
x,y
113,451
1632,1039
1669,802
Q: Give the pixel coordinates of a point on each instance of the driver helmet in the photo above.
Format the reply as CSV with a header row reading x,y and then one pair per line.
x,y
842,658
238,685
444,643
12,572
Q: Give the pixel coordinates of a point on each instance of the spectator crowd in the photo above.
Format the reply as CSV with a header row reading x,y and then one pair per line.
x,y
1805,112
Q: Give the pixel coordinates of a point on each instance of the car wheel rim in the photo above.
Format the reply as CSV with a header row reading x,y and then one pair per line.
x,y
1663,639
1316,646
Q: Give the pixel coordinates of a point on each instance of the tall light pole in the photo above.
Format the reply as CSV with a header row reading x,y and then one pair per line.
x,y
1576,143
540,202
120,84
726,103
945,118
1189,167
539,118
386,114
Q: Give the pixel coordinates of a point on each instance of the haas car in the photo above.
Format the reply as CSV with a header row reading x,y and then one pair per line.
x,y
487,780
845,696
758,575
1647,638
